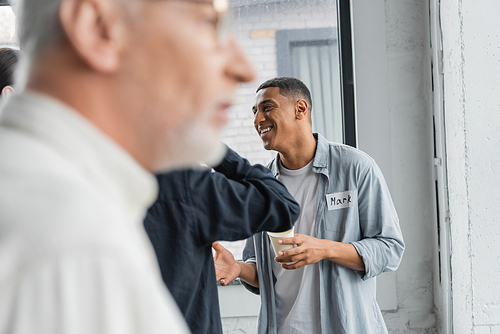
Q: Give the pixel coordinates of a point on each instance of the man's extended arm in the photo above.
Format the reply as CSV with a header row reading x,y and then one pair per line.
x,y
235,202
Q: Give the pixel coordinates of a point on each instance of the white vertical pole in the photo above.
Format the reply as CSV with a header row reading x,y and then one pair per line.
x,y
443,290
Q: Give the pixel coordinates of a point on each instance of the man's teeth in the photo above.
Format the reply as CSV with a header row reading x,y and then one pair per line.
x,y
264,130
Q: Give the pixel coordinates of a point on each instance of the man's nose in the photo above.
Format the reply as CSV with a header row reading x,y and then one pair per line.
x,y
239,67
259,117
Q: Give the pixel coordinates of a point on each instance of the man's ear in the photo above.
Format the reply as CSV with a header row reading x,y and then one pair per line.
x,y
7,90
95,29
301,109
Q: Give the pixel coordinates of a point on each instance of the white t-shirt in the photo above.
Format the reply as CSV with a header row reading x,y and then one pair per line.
x,y
297,291
73,251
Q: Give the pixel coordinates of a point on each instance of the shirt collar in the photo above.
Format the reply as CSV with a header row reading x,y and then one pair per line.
x,y
320,160
101,160
321,155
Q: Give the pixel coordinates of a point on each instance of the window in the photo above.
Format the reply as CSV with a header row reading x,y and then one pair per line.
x,y
8,37
312,56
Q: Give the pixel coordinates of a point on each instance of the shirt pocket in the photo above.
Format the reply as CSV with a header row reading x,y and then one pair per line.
x,y
338,220
341,212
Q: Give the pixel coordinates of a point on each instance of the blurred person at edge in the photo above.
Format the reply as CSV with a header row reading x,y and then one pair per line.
x,y
111,91
8,60
195,207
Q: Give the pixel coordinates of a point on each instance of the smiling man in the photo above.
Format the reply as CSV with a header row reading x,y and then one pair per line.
x,y
113,90
347,232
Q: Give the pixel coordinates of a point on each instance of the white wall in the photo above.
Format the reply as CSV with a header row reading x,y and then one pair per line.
x,y
394,121
471,43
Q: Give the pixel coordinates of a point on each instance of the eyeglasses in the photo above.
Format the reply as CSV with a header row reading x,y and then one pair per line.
x,y
221,7
223,26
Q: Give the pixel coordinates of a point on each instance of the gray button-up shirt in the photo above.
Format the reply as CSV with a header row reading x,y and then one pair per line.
x,y
353,206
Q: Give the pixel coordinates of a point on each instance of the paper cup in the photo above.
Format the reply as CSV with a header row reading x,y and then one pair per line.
x,y
275,236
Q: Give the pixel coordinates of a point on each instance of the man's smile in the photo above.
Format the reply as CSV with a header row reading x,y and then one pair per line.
x,y
264,130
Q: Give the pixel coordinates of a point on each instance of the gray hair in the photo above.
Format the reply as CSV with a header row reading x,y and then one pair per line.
x,y
38,27
38,24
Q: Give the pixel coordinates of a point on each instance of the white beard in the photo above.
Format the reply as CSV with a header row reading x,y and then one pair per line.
x,y
192,144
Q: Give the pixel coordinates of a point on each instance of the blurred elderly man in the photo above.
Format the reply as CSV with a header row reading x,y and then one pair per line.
x,y
114,90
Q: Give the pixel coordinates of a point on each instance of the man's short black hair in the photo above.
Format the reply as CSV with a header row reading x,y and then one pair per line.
x,y
8,60
289,87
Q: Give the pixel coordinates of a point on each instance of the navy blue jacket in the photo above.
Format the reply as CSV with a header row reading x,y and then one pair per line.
x,y
197,207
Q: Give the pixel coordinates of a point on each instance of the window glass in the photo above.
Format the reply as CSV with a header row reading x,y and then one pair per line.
x,y
316,63
8,36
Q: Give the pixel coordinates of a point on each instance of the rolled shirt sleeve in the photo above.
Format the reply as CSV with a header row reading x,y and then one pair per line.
x,y
381,246
250,257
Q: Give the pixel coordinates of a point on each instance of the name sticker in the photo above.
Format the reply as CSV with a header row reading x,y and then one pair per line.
x,y
341,200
